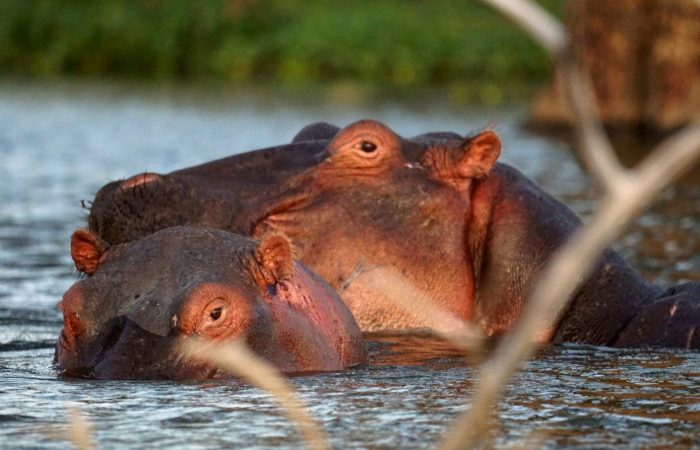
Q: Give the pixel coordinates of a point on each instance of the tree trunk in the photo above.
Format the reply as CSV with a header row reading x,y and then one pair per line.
x,y
644,60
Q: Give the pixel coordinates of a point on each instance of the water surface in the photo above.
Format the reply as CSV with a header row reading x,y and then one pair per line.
x,y
59,144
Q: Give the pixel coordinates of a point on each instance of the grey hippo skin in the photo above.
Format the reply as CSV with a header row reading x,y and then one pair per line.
x,y
142,299
457,227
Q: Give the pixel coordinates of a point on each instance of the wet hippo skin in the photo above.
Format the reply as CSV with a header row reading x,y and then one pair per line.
x,y
142,299
438,210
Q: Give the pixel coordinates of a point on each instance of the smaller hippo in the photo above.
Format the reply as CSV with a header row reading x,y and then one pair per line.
x,y
142,299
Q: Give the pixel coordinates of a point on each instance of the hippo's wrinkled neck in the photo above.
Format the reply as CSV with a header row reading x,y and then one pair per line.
x,y
284,202
348,236
516,227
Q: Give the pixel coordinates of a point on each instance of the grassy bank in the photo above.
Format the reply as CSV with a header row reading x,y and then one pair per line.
x,y
398,43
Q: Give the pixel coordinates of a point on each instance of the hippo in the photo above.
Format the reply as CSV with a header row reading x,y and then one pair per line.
x,y
467,232
142,299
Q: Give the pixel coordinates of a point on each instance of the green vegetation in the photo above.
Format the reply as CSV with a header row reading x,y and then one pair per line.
x,y
399,43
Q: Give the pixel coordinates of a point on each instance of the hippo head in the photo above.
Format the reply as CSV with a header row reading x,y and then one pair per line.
x,y
354,203
140,300
377,203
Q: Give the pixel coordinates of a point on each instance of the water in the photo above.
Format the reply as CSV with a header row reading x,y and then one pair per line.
x,y
59,144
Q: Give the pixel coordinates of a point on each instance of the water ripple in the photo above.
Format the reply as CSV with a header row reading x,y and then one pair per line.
x,y
58,147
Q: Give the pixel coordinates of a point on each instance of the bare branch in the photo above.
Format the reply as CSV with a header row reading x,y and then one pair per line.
x,y
672,157
541,25
573,262
237,359
440,321
628,193
595,148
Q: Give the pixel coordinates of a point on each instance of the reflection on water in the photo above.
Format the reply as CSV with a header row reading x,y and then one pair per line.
x,y
573,396
416,349
59,145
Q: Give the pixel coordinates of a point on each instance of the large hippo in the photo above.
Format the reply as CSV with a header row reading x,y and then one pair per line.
x,y
465,231
142,299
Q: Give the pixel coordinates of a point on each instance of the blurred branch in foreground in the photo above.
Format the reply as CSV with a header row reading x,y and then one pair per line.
x,y
443,323
237,359
628,192
79,432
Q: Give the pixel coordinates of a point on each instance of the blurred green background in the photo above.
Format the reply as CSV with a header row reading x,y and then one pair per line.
x,y
396,44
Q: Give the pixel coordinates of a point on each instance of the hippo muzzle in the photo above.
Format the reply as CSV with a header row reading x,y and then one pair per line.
x,y
157,200
128,352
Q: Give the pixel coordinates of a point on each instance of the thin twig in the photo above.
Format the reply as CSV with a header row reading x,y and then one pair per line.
x,y
413,301
673,156
540,24
594,147
237,359
572,262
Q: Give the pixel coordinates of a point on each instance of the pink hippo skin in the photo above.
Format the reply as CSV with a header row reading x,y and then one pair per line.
x,y
142,299
467,233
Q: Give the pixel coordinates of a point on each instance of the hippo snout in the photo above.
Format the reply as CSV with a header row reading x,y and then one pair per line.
x,y
157,201
128,352
135,353
73,331
133,346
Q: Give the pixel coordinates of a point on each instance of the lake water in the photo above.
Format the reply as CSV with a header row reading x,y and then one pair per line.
x,y
60,143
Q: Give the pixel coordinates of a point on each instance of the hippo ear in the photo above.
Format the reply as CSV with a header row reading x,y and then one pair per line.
x,y
274,253
87,250
479,154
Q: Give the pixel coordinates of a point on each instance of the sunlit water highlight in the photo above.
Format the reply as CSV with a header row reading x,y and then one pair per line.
x,y
60,144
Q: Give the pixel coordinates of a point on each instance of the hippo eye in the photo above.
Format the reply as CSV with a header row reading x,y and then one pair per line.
x,y
215,313
367,146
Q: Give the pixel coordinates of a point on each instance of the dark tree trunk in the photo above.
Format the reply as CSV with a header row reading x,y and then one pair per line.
x,y
644,59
